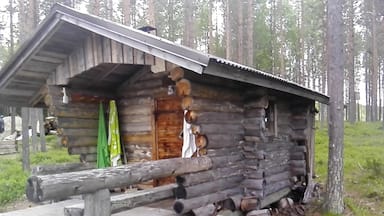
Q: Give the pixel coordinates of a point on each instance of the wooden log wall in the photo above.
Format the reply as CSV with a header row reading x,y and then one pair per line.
x,y
267,163
136,114
215,113
77,120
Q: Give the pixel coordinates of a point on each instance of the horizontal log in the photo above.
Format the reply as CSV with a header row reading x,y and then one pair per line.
x,y
128,102
257,184
136,110
200,104
223,161
226,151
276,186
128,119
210,187
77,132
83,112
298,171
297,156
129,200
298,164
209,175
199,117
77,123
156,92
261,102
277,177
274,197
47,187
142,139
254,193
61,168
259,155
223,140
182,206
256,112
276,170
207,210
253,174
218,129
133,128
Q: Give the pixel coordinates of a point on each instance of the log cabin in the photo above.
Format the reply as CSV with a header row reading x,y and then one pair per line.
x,y
257,128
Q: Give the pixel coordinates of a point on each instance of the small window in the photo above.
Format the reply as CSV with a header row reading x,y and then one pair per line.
x,y
271,119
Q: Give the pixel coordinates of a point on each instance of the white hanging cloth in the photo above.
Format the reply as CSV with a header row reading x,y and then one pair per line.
x,y
189,145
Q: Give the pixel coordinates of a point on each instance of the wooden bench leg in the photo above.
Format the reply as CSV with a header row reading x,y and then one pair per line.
x,y
98,203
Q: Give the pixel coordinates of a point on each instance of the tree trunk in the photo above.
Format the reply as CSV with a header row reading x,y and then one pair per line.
x,y
250,33
334,194
127,12
351,62
228,29
151,13
240,33
375,64
211,40
188,37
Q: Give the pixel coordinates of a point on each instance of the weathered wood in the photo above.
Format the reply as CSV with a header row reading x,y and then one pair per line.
x,y
209,175
201,141
261,102
40,117
97,203
217,129
257,184
135,110
41,188
33,123
87,112
76,150
258,194
276,186
223,161
223,151
129,200
182,206
133,128
253,174
79,141
84,158
277,177
61,168
276,170
210,187
297,156
25,136
223,140
202,104
77,123
298,164
135,101
197,117
298,171
134,118
274,197
256,112
77,132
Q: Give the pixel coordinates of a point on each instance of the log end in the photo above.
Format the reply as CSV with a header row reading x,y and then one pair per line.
x,y
186,103
176,74
201,141
180,192
178,207
33,191
190,116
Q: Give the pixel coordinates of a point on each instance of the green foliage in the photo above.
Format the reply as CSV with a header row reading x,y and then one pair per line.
x,y
13,178
363,163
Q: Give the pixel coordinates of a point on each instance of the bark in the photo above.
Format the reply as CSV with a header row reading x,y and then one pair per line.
x,y
126,12
188,37
228,31
351,63
240,33
211,40
250,33
151,13
334,194
375,64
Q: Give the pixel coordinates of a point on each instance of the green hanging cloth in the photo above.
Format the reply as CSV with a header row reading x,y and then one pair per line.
x,y
114,134
102,145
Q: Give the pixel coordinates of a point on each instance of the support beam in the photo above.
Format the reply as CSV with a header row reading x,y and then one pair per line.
x,y
25,136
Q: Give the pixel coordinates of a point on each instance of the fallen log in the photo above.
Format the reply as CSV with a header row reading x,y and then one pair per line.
x,y
40,188
182,206
262,212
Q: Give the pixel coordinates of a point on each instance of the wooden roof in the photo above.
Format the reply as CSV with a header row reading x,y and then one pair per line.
x,y
65,29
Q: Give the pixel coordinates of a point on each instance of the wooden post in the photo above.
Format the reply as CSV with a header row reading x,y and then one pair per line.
x,y
97,203
40,117
13,119
33,123
25,136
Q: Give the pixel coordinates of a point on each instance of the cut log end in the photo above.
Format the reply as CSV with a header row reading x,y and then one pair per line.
x,y
183,87
178,207
201,141
176,74
186,102
180,192
190,116
32,191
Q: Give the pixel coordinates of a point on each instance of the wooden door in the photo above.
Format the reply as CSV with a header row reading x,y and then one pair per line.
x,y
169,124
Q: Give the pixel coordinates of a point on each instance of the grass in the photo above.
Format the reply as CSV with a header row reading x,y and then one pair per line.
x,y
363,166
13,178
